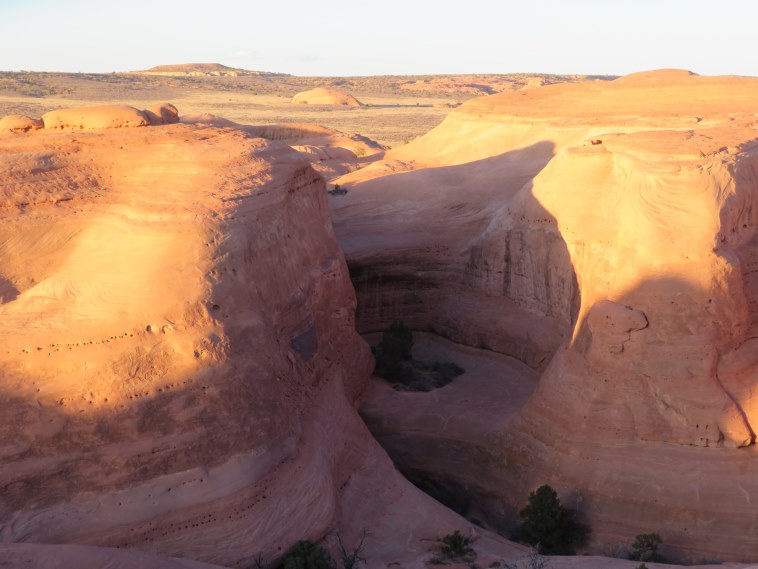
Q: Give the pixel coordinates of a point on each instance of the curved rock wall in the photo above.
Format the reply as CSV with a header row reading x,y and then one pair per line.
x,y
620,220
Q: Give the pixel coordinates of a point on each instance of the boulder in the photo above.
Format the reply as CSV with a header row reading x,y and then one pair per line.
x,y
19,123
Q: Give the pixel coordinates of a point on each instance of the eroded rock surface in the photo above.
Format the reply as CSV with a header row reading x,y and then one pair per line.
x,y
172,343
19,123
88,118
180,367
604,234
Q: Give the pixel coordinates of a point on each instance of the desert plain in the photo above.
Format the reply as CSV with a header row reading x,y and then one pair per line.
x,y
195,262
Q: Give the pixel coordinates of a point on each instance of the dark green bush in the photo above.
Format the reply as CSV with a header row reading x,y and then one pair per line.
x,y
307,555
645,548
550,527
393,354
455,545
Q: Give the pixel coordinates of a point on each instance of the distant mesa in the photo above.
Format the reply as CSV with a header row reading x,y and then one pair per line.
x,y
322,96
202,70
480,85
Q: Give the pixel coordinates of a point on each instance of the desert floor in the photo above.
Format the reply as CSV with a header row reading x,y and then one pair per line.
x,y
390,118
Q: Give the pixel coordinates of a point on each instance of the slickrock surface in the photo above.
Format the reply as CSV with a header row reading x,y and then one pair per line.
x,y
36,556
171,340
331,153
325,96
179,366
604,234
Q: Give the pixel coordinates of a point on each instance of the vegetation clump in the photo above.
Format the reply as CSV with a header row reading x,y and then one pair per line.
x,y
645,548
337,191
307,555
549,526
531,561
351,558
456,545
394,362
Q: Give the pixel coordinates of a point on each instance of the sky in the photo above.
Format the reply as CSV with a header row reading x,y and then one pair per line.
x,y
382,37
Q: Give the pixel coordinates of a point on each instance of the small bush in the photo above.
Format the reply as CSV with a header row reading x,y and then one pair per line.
x,y
393,354
550,527
351,558
307,555
645,548
531,561
456,545
337,191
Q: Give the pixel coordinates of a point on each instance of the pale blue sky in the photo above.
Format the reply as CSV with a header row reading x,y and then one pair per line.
x,y
369,37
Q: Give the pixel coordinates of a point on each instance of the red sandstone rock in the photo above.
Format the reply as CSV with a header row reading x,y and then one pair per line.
x,y
604,234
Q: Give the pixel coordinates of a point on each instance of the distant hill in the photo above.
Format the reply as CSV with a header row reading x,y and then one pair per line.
x,y
203,70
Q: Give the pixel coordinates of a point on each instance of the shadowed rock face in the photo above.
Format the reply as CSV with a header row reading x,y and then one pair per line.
x,y
619,217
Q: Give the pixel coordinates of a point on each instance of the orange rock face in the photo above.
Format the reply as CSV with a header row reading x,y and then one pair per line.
x,y
603,233
171,342
180,368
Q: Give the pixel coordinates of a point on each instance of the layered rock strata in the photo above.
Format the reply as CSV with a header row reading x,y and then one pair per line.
x,y
602,233
179,359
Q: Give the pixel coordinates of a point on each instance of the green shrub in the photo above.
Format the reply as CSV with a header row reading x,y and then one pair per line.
x,y
307,555
550,527
456,545
645,548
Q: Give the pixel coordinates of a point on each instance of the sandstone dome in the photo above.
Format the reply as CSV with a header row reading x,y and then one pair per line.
x,y
323,96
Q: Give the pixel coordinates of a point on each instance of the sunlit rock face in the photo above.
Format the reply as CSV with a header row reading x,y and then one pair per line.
x,y
179,363
604,234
